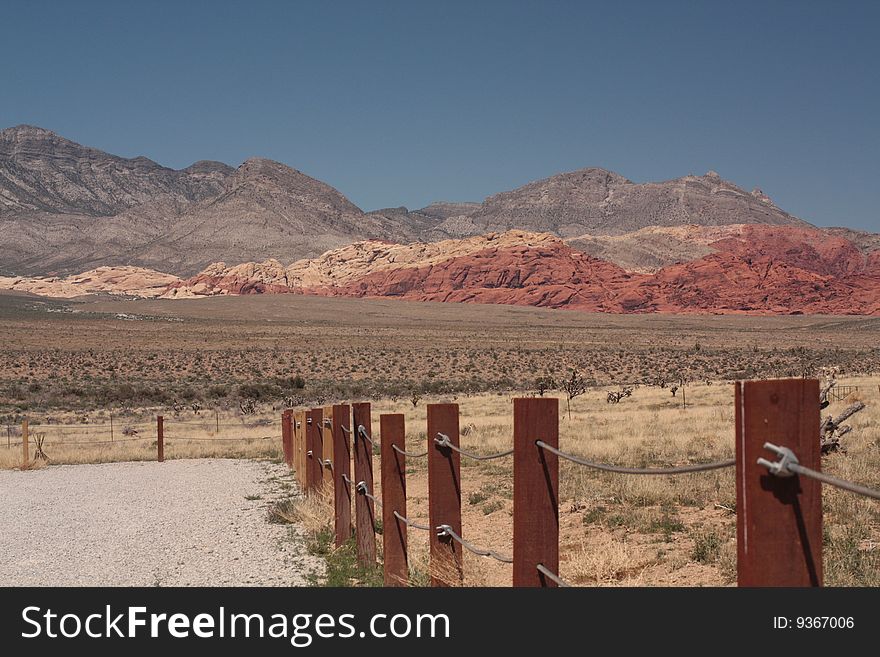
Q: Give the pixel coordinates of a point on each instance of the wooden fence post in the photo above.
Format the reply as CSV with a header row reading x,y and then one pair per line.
x,y
160,438
341,417
393,432
535,491
299,422
364,511
778,519
327,442
287,438
444,494
25,457
314,448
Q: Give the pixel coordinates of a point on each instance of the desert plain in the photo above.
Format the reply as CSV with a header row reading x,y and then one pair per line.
x,y
220,370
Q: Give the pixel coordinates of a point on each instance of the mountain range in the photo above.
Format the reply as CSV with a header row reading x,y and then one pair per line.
x,y
75,220
66,208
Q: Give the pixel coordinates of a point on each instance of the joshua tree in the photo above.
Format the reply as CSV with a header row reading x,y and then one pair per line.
x,y
615,396
574,386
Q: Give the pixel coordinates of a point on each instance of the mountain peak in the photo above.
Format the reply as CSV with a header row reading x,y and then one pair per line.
x,y
25,129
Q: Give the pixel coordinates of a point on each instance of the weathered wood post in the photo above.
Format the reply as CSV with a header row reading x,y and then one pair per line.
x,y
339,426
444,494
314,448
535,491
364,511
327,443
25,457
778,519
299,425
393,432
287,437
160,438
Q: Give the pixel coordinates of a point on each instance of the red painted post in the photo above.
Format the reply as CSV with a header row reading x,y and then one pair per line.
x,y
444,494
287,438
299,423
393,432
535,491
341,470
778,519
364,511
160,437
315,441
327,441
318,425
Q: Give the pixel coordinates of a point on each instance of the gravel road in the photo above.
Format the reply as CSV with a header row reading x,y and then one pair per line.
x,y
178,523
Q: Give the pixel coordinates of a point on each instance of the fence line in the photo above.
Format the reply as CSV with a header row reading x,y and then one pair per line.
x,y
779,519
779,522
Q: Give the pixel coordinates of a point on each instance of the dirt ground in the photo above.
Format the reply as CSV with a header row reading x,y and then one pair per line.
x,y
308,350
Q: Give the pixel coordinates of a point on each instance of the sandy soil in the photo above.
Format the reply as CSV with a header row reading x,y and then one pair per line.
x,y
178,523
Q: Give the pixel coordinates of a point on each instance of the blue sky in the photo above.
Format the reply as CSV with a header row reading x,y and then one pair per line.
x,y
404,103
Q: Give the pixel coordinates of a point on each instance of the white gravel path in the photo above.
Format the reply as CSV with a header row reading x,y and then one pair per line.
x,y
178,523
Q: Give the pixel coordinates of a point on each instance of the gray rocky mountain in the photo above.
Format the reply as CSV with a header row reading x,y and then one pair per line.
x,y
67,208
601,202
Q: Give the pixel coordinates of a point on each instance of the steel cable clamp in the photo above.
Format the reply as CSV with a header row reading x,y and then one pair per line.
x,y
780,468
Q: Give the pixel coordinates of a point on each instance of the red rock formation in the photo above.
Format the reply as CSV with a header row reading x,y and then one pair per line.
x,y
750,269
764,270
549,275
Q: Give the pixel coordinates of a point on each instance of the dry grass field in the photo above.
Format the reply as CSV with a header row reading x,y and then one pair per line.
x,y
67,366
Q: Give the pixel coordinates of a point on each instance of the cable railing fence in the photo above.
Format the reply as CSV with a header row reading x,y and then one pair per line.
x,y
778,510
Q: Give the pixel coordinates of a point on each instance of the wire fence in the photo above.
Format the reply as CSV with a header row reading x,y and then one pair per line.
x,y
43,441
608,467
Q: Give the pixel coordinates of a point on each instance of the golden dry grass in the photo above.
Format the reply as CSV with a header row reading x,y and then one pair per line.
x,y
69,440
643,530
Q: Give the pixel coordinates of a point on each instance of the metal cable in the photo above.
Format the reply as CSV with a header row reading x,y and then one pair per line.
x,y
62,443
410,523
210,440
446,530
361,487
211,423
85,427
698,467
443,441
788,465
345,428
553,576
362,430
834,481
410,454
